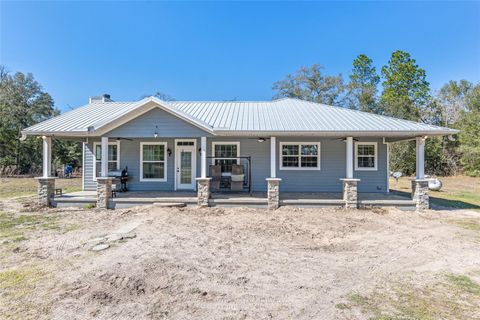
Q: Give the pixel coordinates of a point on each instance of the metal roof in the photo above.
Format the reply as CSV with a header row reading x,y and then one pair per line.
x,y
285,116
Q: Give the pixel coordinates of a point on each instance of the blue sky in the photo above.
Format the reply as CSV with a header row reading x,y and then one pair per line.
x,y
225,50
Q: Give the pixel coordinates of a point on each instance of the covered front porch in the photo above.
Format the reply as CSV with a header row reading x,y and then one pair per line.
x,y
254,199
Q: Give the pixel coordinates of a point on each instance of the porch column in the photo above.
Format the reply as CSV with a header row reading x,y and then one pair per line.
x,y
420,184
46,183
104,183
203,157
273,154
349,160
104,162
349,184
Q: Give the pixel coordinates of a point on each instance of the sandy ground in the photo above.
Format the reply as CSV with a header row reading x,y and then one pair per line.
x,y
240,263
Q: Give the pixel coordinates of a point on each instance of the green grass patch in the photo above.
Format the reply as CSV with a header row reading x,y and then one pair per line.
x,y
18,287
464,283
469,224
13,227
409,301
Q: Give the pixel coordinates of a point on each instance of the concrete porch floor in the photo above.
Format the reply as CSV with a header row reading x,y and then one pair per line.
x,y
321,199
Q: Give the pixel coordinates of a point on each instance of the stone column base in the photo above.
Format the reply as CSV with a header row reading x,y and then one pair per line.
x,y
420,194
46,190
350,193
203,191
104,192
273,193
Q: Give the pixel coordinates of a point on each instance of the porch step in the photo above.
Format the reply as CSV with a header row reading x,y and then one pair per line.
x,y
169,200
313,202
386,203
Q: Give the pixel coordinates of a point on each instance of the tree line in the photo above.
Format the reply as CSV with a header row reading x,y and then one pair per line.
x,y
23,103
401,90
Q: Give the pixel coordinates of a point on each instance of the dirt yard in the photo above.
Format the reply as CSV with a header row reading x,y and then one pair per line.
x,y
238,263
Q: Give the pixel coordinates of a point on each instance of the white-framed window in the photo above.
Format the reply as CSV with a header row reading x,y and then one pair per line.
x,y
366,156
153,161
113,157
299,155
225,153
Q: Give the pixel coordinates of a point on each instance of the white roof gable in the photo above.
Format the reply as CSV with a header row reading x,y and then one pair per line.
x,y
282,117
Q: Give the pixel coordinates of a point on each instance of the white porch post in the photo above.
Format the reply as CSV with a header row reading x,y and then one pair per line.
x,y
47,157
349,171
420,165
420,184
273,154
104,163
203,157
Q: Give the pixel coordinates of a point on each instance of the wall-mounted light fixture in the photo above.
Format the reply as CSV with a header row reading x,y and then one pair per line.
x,y
261,139
169,152
155,135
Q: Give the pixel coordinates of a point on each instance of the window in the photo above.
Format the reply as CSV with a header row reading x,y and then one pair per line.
x,y
365,156
224,154
153,161
299,156
113,157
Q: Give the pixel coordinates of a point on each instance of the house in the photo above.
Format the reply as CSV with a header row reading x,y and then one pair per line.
x,y
280,147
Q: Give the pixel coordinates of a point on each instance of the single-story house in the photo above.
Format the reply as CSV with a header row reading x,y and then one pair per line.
x,y
275,147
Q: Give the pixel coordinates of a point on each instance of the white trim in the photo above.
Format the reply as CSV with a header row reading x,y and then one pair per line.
x,y
143,107
319,155
388,164
375,168
420,157
47,157
165,154
95,144
214,143
194,163
84,144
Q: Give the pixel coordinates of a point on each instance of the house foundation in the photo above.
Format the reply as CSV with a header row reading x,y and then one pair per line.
x,y
420,194
273,193
203,191
350,193
46,190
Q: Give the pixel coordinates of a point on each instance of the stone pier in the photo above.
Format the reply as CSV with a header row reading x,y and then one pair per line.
x,y
350,193
46,190
203,191
420,194
273,193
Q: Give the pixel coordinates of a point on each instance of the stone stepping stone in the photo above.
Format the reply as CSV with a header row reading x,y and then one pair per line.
x,y
101,247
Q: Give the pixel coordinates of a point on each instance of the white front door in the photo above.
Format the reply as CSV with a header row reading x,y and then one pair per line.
x,y
185,164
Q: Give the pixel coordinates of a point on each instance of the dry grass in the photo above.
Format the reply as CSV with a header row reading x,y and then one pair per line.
x,y
460,192
20,187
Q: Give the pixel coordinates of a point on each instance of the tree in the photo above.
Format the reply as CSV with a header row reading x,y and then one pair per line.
x,y
452,98
308,83
405,95
23,103
405,89
469,136
362,89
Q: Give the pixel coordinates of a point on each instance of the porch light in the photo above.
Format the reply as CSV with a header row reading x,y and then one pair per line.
x,y
261,140
155,135
169,151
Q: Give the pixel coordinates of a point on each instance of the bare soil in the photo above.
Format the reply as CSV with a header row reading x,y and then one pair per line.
x,y
239,263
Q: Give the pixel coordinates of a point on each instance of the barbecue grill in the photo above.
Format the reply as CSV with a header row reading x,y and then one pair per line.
x,y
121,175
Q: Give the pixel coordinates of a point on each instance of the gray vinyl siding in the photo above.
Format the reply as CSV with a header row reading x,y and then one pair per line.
x,y
332,169
327,179
166,125
89,183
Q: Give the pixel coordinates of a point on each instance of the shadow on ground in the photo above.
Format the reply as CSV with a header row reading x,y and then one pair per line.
x,y
442,203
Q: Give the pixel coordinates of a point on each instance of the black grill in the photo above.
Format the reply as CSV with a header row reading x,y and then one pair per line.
x,y
121,175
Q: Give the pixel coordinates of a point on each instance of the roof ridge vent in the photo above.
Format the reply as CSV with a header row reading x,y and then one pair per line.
x,y
103,98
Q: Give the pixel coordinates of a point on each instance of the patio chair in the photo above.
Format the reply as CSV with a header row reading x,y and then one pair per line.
x,y
216,175
237,178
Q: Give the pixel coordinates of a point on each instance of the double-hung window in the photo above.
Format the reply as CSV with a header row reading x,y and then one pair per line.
x,y
225,154
300,156
113,157
366,156
153,161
